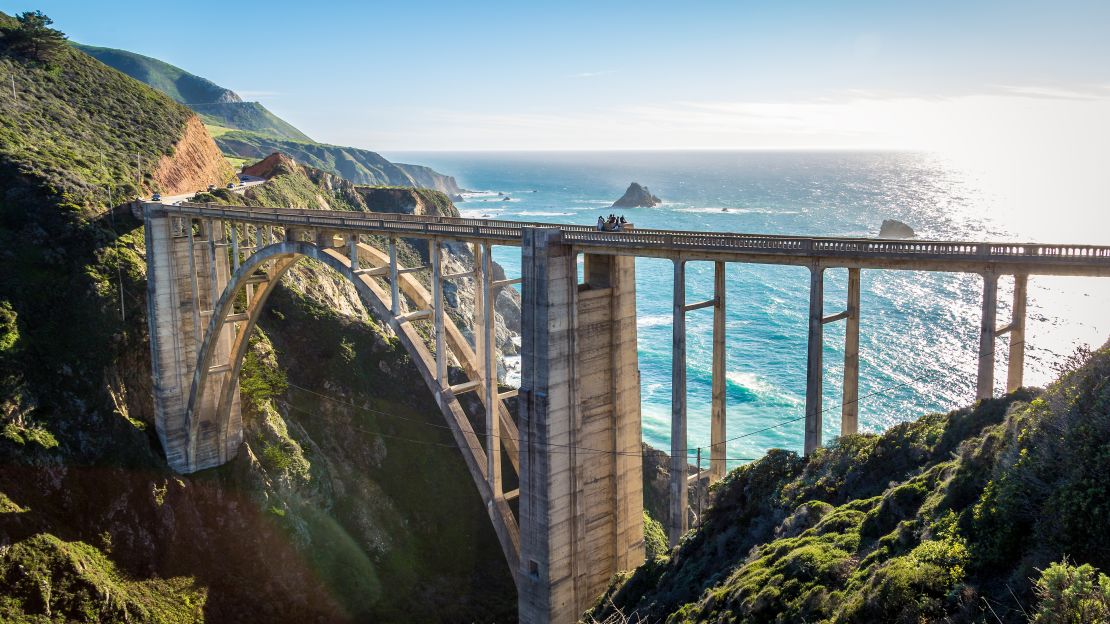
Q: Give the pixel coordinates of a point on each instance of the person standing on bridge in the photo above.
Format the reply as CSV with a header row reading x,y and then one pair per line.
x,y
600,223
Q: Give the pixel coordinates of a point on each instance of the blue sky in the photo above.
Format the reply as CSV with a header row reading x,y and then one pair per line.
x,y
566,75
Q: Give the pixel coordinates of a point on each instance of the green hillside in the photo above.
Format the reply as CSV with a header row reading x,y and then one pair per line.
x,y
217,106
260,133
990,514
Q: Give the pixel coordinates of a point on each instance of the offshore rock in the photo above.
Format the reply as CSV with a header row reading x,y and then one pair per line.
x,y
637,197
895,229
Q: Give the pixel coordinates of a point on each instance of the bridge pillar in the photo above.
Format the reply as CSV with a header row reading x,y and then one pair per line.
x,y
1016,370
849,412
581,497
717,426
183,272
680,458
813,364
984,388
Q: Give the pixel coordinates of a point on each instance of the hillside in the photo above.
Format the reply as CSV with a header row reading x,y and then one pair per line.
x,y
357,165
257,133
317,520
216,105
949,518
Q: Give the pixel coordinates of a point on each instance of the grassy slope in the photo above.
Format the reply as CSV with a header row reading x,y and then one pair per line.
x,y
217,105
175,82
947,518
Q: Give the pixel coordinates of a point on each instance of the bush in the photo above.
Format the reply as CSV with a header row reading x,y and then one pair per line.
x,y
1072,595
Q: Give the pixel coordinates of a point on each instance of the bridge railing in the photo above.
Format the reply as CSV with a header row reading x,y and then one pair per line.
x,y
511,232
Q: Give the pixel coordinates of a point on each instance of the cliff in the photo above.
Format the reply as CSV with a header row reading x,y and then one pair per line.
x,y
952,517
194,164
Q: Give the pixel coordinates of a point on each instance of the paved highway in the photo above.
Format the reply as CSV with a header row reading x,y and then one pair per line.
x,y
246,182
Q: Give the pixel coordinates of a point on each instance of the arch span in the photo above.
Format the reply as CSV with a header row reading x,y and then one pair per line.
x,y
215,384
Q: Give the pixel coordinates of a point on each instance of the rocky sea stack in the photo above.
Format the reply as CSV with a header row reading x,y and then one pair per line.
x,y
895,229
637,197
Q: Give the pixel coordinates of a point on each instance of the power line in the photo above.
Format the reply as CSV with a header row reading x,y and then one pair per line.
x,y
569,447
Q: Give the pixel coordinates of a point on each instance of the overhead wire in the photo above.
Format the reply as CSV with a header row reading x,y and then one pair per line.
x,y
569,447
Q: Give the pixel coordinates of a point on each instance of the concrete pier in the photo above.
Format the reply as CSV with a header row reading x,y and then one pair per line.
x,y
678,521
813,360
581,497
849,415
717,425
984,388
185,275
1015,373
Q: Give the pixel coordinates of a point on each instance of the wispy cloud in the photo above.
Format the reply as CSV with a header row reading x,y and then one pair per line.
x,y
1054,93
593,74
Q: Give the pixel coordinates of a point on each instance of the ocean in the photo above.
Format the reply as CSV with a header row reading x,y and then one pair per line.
x,y
918,330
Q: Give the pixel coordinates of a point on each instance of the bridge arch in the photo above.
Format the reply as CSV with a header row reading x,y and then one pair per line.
x,y
263,269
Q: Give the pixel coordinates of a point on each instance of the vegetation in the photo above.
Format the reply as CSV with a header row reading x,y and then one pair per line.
x,y
73,581
216,105
357,165
947,518
1072,595
33,38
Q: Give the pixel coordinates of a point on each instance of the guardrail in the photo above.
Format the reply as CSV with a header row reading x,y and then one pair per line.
x,y
511,233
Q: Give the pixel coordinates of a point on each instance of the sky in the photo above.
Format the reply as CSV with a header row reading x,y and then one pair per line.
x,y
984,78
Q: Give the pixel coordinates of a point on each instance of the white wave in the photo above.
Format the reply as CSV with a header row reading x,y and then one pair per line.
x,y
606,202
654,320
541,213
728,210
479,213
749,381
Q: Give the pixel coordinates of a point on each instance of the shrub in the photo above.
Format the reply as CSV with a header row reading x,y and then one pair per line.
x,y
1072,595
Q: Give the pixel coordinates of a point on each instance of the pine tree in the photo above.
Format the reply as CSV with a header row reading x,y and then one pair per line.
x,y
34,38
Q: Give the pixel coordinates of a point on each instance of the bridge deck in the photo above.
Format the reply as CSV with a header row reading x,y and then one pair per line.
x,y
918,255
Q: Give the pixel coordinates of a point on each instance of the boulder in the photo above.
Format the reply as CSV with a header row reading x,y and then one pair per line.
x,y
895,229
637,197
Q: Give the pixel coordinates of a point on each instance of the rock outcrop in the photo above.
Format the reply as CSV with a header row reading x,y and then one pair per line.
x,y
637,196
895,229
195,163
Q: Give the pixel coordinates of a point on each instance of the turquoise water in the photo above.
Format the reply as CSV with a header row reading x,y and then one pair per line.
x,y
919,331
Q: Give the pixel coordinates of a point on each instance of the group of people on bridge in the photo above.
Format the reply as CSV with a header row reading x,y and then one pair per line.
x,y
612,224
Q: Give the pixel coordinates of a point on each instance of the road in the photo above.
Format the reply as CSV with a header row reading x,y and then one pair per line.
x,y
246,182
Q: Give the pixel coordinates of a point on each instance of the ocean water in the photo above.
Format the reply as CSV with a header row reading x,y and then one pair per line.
x,y
918,330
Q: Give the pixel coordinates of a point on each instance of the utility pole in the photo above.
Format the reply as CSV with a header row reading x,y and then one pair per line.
x,y
13,86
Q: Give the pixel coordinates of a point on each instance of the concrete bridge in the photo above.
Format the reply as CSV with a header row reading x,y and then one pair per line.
x,y
576,517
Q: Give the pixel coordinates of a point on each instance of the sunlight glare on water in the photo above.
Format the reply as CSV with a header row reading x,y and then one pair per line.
x,y
919,331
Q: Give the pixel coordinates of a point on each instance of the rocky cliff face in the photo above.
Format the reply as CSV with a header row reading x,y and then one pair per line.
x,y
195,162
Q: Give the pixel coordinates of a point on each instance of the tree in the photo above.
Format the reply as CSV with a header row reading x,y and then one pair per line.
x,y
34,38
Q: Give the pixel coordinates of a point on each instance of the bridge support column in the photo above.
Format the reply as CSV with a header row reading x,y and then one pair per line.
x,y
678,521
849,413
813,364
717,427
437,312
581,497
987,332
1016,371
183,272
